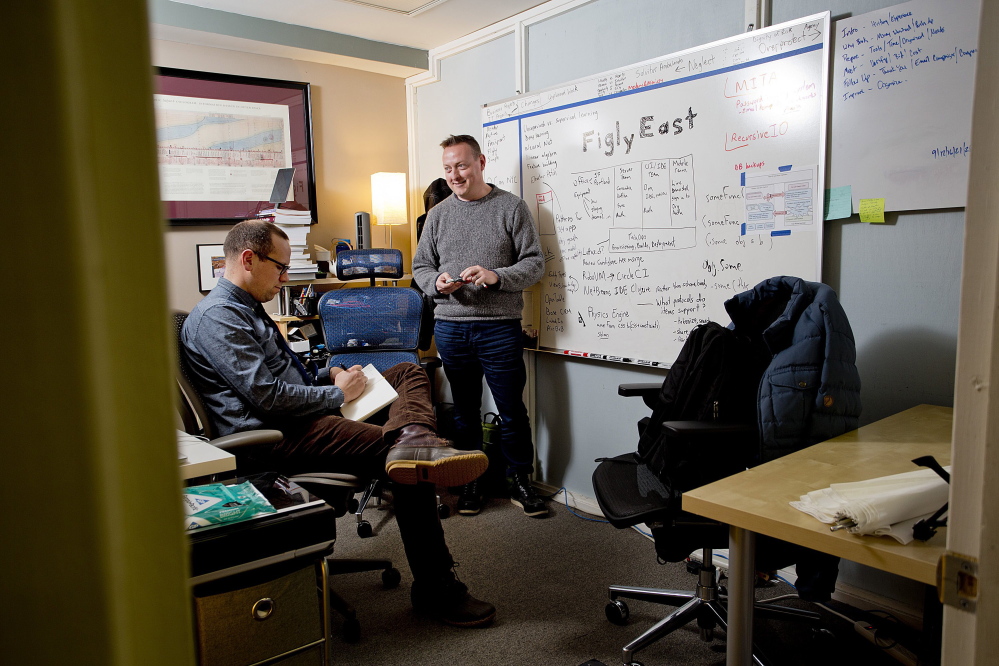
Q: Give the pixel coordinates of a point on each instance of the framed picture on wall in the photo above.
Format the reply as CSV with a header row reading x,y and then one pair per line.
x,y
211,266
221,141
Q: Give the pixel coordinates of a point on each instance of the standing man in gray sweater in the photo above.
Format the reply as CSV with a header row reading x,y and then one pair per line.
x,y
478,251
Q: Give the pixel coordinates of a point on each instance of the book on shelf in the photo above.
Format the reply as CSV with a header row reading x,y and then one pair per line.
x,y
377,394
292,217
296,235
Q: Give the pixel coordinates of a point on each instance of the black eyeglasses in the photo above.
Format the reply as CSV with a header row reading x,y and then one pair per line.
x,y
284,267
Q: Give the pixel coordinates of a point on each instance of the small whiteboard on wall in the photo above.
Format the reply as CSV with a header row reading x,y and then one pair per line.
x,y
903,83
662,189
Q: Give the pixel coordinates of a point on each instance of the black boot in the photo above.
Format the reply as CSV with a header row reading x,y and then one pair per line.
x,y
470,501
522,494
447,599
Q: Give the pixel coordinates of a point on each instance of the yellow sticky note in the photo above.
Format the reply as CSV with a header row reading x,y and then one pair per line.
x,y
872,210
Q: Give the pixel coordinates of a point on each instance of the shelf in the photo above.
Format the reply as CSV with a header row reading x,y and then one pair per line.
x,y
281,317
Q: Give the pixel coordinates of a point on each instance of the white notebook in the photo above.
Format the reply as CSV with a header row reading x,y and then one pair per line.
x,y
377,394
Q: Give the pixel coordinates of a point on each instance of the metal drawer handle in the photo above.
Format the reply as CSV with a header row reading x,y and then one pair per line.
x,y
263,609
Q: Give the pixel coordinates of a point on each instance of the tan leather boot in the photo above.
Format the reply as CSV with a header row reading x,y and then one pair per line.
x,y
420,455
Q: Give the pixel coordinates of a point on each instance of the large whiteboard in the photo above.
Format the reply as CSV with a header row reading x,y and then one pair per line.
x,y
663,188
903,83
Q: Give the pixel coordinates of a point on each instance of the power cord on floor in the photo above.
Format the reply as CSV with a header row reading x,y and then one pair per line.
x,y
881,628
592,520
570,509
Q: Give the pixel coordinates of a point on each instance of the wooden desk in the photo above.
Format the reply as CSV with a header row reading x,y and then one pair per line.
x,y
756,502
203,459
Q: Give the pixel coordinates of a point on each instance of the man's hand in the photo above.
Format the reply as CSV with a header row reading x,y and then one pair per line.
x,y
351,381
445,285
479,275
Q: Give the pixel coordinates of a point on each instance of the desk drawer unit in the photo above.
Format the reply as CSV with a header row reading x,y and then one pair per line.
x,y
257,617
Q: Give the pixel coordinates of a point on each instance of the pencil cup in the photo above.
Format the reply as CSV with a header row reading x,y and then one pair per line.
x,y
307,306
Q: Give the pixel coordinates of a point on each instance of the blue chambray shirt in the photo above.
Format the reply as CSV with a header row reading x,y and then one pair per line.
x,y
245,377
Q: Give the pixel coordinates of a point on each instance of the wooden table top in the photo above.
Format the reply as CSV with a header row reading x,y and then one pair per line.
x,y
757,499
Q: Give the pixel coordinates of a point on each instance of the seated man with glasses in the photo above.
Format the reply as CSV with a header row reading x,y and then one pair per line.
x,y
249,379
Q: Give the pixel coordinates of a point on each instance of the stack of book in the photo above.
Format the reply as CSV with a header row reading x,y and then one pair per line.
x,y
296,223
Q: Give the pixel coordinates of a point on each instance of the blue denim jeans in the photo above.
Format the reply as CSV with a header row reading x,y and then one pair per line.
x,y
494,349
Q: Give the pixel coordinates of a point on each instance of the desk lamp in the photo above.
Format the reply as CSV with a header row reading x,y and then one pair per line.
x,y
388,200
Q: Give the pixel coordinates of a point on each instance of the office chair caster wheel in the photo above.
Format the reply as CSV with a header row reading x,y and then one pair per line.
x,y
351,631
391,578
443,511
364,529
617,612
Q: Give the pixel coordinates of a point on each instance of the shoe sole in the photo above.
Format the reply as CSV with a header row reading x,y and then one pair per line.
x,y
481,622
484,622
532,514
469,512
452,471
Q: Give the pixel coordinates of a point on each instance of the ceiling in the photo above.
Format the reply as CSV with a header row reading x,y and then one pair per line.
x,y
422,24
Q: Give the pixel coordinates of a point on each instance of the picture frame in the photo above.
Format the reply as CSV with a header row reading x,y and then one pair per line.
x,y
211,266
221,139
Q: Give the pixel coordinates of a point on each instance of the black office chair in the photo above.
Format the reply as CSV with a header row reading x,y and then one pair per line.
x,y
782,377
629,494
335,489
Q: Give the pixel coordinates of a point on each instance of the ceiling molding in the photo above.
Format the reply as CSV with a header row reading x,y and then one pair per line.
x,y
411,12
300,38
168,33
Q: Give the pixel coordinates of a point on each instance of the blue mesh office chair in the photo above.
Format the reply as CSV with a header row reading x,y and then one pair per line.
x,y
377,325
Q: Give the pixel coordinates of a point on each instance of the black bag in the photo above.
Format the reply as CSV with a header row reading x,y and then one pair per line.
x,y
715,377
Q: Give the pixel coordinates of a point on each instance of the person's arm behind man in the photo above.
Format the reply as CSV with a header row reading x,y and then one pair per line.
x,y
426,261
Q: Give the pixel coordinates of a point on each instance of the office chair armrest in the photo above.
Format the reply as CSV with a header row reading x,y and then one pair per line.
x,y
430,363
695,429
248,439
649,393
641,390
348,481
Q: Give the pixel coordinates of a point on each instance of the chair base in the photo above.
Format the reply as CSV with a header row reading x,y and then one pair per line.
x,y
704,604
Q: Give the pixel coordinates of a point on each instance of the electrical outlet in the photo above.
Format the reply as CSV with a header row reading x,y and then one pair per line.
x,y
900,653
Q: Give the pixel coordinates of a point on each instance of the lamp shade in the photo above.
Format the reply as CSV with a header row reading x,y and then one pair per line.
x,y
388,198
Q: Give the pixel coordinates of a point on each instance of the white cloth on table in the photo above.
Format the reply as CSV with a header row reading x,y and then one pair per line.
x,y
885,506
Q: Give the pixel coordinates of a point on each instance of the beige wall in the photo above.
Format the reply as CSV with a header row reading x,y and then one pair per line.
x,y
359,128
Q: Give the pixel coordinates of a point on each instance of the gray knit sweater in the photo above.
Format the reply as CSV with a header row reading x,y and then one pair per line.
x,y
495,232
